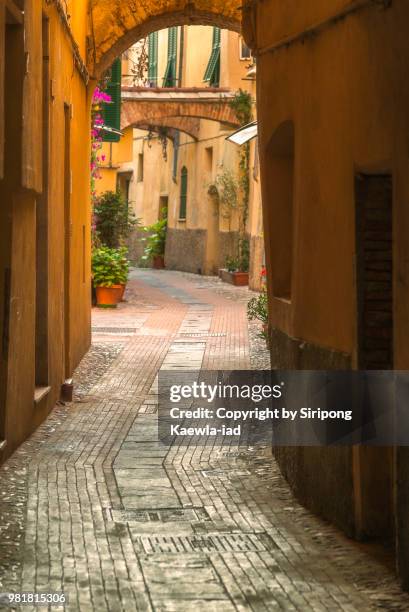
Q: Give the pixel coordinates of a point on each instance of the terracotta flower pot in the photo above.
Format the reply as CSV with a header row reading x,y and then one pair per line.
x,y
158,262
240,279
123,287
108,297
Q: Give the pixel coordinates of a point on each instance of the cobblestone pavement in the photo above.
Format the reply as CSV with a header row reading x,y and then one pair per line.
x,y
91,505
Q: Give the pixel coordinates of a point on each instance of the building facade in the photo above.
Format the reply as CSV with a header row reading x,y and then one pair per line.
x,y
185,165
334,166
333,99
44,212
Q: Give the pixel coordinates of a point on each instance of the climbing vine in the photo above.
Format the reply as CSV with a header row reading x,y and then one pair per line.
x,y
242,105
138,63
162,135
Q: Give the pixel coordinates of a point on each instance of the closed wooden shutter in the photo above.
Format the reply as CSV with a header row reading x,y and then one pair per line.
x,y
169,79
183,193
32,174
112,110
212,72
2,84
153,58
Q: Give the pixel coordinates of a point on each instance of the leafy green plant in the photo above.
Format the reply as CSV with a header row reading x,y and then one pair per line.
x,y
242,105
114,220
232,264
109,266
257,309
155,242
226,186
122,260
244,255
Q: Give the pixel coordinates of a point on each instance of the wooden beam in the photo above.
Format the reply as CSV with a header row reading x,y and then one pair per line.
x,y
13,14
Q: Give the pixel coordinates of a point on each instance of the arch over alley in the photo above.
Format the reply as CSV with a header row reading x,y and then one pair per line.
x,y
143,106
116,25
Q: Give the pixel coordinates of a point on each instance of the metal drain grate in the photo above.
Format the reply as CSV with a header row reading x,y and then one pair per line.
x,y
165,515
114,330
211,543
203,335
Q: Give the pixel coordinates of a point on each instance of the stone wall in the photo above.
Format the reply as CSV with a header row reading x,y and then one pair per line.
x,y
136,247
321,477
185,250
228,246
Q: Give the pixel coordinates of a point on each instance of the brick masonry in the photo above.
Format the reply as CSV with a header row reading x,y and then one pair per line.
x,y
92,505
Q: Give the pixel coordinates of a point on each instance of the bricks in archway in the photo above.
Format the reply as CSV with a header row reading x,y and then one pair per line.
x,y
157,106
117,25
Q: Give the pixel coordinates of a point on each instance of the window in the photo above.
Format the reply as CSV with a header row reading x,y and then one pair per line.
x,y
183,193
140,168
169,79
212,73
112,110
244,50
209,159
153,59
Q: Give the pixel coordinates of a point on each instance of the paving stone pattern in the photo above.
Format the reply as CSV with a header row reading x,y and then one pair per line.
x,y
93,506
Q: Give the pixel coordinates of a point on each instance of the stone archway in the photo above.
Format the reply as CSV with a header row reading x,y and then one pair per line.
x,y
185,106
188,125
116,25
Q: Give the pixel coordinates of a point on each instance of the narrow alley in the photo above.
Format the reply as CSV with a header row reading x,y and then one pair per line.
x,y
94,507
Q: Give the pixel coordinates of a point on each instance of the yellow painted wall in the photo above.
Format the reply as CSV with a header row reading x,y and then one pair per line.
x,y
67,107
349,120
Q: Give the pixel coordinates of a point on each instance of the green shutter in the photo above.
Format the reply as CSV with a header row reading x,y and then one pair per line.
x,y
212,73
169,79
153,58
183,193
111,111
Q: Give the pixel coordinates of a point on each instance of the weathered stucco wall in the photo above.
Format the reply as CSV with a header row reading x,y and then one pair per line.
x,y
345,91
49,170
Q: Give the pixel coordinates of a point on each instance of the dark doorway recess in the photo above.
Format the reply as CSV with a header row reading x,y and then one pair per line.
x,y
374,278
374,271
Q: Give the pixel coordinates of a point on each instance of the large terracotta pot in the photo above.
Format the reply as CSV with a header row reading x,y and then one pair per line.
x,y
158,262
108,297
123,287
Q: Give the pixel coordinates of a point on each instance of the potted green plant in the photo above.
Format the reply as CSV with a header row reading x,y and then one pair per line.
x,y
114,219
257,309
155,243
107,275
236,271
123,268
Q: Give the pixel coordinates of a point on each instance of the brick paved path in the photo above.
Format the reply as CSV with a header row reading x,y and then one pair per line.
x,y
92,505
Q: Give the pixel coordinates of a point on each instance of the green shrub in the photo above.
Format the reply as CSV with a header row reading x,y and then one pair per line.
x,y
232,264
257,308
155,242
113,219
109,266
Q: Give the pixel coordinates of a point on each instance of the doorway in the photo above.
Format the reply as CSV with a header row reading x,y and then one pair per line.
x,y
374,278
67,237
163,207
41,330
